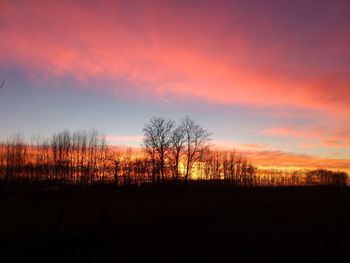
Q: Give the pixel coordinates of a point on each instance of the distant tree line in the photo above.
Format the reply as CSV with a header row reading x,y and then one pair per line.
x,y
280,177
170,151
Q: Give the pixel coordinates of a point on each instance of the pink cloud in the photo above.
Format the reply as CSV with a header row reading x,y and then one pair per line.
x,y
166,49
297,132
312,137
282,132
336,143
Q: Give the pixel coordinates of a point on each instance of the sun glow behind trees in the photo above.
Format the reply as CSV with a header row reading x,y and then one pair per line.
x,y
164,140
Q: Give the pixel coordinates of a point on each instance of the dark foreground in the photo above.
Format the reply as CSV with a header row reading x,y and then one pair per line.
x,y
174,223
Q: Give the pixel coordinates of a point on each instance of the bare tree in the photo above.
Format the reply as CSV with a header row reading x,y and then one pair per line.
x,y
196,137
157,139
177,149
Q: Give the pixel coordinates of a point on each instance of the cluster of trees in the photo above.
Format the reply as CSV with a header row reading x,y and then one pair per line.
x,y
177,146
66,156
226,165
170,151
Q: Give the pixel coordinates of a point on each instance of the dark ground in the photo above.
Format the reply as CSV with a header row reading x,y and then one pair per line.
x,y
175,223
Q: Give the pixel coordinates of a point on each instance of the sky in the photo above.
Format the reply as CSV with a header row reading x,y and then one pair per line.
x,y
269,78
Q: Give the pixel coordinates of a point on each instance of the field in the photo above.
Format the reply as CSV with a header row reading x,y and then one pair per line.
x,y
179,222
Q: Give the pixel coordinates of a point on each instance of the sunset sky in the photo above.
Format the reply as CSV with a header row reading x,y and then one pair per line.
x,y
270,78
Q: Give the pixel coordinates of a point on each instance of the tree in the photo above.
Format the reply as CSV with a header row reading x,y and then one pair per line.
x,y
157,140
177,149
196,137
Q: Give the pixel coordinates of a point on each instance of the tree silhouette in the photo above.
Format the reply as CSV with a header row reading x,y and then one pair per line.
x,y
157,140
177,149
196,138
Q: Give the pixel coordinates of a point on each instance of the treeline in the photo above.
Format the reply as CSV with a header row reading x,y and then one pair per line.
x,y
81,156
85,158
321,177
170,151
